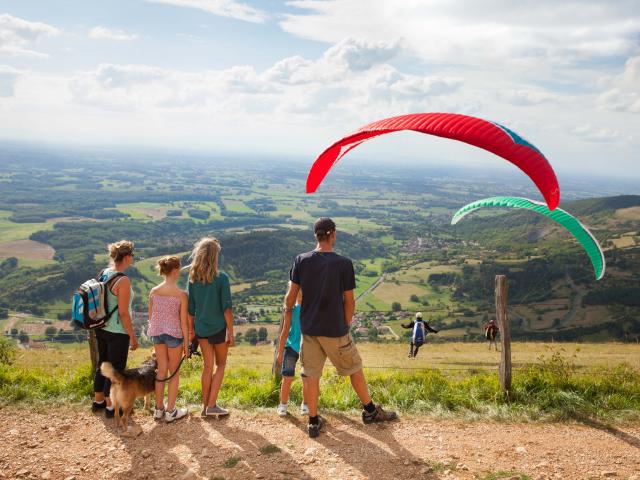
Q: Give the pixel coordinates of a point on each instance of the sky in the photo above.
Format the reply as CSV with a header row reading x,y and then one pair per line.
x,y
291,77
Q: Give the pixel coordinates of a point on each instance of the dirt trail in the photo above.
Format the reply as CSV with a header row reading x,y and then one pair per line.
x,y
71,443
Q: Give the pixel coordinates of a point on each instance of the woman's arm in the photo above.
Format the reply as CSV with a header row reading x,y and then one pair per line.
x,y
191,311
184,322
226,307
228,318
123,291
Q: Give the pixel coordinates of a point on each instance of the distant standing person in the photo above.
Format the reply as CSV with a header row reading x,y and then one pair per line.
x,y
210,319
288,354
491,330
419,333
327,281
169,331
117,336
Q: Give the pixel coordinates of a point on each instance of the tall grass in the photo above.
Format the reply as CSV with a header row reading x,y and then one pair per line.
x,y
551,389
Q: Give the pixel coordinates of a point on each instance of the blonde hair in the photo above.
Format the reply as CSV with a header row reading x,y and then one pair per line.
x,y
119,250
204,260
166,265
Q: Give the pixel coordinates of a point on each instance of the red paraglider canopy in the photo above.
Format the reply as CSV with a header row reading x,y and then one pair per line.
x,y
489,136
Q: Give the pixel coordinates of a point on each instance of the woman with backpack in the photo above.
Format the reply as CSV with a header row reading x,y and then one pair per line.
x,y
117,336
210,319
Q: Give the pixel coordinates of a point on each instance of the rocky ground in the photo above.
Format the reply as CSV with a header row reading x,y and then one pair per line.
x,y
71,443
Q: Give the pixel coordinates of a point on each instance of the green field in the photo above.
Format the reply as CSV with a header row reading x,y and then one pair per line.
x,y
10,231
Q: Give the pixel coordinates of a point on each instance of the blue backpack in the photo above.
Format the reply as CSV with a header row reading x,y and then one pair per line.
x,y
418,333
90,305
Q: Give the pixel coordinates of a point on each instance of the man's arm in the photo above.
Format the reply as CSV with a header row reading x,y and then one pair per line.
x,y
349,306
430,329
408,325
289,302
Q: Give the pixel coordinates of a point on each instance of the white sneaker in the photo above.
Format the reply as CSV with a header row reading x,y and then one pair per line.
x,y
282,409
304,409
175,415
158,414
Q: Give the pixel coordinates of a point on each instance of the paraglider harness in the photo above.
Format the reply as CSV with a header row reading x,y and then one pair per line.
x,y
418,333
490,327
193,350
420,329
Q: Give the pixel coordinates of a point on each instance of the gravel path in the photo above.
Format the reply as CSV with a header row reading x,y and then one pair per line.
x,y
71,443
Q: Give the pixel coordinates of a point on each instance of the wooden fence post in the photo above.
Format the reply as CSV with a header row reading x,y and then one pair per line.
x,y
93,349
502,290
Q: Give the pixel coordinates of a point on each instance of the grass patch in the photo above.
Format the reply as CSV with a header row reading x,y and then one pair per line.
x,y
504,474
554,388
231,462
269,449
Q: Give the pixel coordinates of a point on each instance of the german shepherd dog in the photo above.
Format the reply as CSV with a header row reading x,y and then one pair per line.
x,y
129,385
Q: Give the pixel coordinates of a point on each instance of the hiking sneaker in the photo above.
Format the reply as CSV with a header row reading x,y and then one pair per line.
x,y
177,414
158,414
314,430
96,406
216,411
304,409
379,415
282,409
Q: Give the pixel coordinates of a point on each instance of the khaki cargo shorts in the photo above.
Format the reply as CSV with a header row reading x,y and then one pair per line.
x,y
341,351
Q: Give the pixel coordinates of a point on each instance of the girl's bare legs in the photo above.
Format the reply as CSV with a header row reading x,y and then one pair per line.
x,y
207,370
163,364
220,351
175,354
285,388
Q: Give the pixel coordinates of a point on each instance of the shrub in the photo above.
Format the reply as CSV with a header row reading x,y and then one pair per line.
x,y
7,351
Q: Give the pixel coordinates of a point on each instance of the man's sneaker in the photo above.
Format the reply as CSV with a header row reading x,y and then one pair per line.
x,y
304,409
282,409
96,406
158,414
216,411
110,413
175,415
314,429
378,415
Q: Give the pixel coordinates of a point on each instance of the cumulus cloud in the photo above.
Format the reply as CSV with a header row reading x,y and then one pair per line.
x,y
223,8
525,34
527,97
333,84
8,77
104,33
591,134
17,35
358,54
624,92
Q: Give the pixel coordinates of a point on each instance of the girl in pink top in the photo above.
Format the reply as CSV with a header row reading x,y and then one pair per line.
x,y
169,331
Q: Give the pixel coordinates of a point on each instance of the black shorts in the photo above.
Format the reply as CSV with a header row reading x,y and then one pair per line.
x,y
217,338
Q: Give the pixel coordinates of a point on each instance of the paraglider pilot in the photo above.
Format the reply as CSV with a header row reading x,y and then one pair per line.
x,y
420,328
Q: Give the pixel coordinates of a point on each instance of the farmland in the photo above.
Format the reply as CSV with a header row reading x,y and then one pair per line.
x,y
395,227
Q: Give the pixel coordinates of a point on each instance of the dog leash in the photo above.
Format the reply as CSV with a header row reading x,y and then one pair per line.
x,y
193,350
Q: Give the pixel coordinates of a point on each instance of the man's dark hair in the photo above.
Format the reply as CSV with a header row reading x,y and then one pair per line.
x,y
323,228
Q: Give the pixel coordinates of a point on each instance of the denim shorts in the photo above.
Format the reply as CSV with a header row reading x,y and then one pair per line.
x,y
289,362
217,338
168,340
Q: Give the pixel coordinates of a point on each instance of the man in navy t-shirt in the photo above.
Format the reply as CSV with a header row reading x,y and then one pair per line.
x,y
327,281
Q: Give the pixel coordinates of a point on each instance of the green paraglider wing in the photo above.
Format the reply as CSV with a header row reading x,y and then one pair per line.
x,y
569,222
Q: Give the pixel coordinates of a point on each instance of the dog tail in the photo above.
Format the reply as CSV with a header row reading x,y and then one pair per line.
x,y
111,373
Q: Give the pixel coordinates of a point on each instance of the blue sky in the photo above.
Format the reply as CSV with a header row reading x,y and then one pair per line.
x,y
290,77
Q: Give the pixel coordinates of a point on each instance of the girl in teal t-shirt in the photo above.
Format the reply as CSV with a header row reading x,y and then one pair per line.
x,y
288,355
